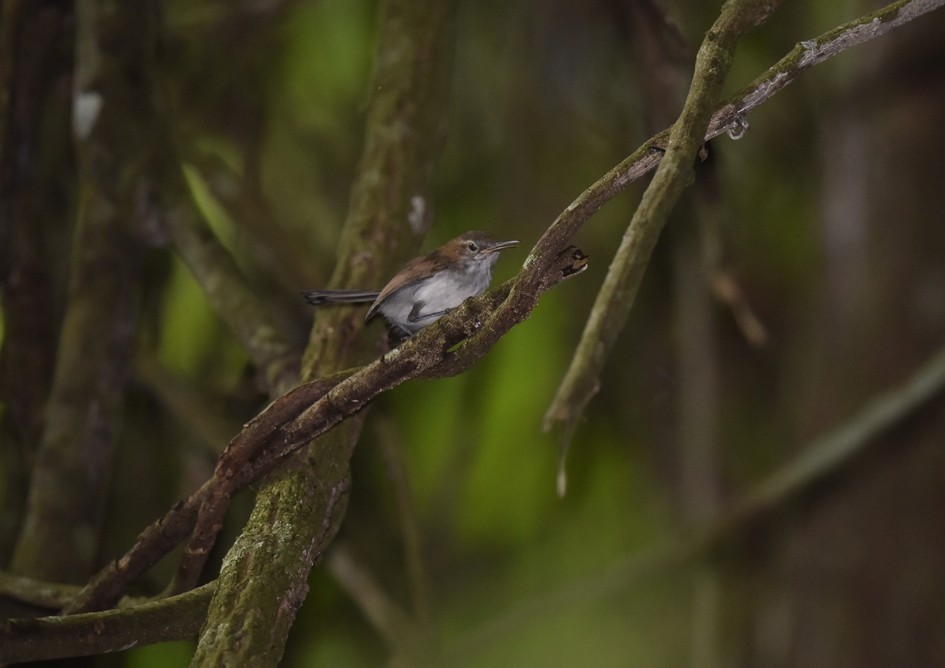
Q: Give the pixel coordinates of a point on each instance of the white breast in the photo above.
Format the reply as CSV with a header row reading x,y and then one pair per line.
x,y
439,294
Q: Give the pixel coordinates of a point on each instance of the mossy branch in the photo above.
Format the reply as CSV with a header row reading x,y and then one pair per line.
x,y
298,512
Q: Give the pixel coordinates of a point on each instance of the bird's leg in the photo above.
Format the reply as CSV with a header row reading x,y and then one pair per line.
x,y
416,316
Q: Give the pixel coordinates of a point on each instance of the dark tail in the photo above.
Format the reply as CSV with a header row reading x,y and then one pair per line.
x,y
319,297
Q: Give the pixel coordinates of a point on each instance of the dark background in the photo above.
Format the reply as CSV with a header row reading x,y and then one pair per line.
x,y
827,217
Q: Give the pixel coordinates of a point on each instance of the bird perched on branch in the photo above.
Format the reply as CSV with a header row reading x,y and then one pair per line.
x,y
427,287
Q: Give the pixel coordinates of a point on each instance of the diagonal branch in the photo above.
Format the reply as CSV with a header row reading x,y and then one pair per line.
x,y
581,381
46,638
674,174
225,286
307,412
234,472
821,460
825,457
502,313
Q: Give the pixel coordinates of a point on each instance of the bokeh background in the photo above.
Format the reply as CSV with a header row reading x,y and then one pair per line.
x,y
803,274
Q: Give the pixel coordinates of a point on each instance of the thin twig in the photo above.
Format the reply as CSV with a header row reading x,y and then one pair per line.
x,y
398,473
391,620
192,409
809,53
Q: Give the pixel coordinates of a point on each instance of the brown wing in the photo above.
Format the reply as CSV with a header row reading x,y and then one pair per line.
x,y
414,271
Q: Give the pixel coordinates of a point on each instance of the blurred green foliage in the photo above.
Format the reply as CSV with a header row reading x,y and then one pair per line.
x,y
547,98
269,112
165,654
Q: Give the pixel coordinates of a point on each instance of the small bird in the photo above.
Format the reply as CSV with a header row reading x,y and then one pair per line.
x,y
427,287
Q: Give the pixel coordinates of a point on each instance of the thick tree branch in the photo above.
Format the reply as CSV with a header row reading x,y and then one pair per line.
x,y
297,514
69,485
235,470
822,459
46,638
309,411
30,37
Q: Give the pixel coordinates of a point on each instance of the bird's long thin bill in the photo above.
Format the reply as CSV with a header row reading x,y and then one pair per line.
x,y
502,245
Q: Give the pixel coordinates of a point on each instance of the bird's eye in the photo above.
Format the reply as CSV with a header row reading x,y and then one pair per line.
x,y
472,246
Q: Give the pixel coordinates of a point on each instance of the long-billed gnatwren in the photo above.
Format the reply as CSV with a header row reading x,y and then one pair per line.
x,y
429,286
